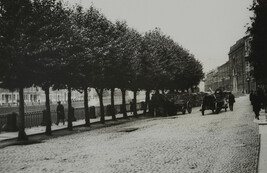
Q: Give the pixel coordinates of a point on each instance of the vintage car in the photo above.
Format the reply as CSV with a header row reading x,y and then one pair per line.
x,y
170,104
215,102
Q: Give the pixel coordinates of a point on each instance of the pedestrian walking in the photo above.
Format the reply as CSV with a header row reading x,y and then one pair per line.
x,y
231,101
251,97
257,101
157,101
60,113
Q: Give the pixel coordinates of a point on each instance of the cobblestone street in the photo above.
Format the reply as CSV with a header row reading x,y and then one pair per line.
x,y
224,142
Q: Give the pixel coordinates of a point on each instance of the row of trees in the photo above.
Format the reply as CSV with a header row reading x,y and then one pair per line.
x,y
48,44
258,32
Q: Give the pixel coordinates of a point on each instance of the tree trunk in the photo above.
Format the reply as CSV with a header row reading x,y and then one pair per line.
x,y
48,130
21,120
69,110
134,103
86,110
113,114
100,96
147,101
123,91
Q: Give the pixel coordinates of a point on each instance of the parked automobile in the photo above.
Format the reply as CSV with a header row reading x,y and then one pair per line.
x,y
215,102
170,104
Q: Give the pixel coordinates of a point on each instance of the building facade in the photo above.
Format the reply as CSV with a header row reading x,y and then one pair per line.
x,y
35,95
219,78
235,75
224,78
240,68
211,80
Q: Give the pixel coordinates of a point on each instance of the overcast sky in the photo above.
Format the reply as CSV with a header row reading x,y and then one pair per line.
x,y
207,28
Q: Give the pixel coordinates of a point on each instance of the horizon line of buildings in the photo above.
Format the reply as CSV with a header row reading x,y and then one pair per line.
x,y
36,96
236,74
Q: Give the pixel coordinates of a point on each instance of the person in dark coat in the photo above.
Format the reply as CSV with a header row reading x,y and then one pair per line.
x,y
231,101
60,113
251,97
157,101
257,101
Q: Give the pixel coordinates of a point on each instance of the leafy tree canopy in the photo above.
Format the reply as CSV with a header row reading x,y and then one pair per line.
x,y
257,31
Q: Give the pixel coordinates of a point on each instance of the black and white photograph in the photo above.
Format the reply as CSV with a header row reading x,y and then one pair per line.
x,y
133,86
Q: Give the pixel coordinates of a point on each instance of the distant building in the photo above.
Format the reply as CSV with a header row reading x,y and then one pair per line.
x,y
35,95
218,78
224,77
211,82
236,74
240,68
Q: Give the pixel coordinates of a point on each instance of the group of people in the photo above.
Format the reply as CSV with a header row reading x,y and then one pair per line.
x,y
258,101
61,113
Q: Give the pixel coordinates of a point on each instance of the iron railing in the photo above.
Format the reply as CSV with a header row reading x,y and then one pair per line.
x,y
36,118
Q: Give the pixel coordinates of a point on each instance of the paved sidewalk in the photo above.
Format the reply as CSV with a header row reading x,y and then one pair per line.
x,y
41,129
262,167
